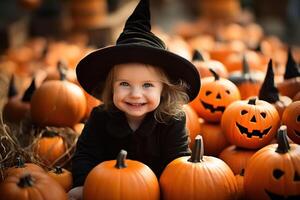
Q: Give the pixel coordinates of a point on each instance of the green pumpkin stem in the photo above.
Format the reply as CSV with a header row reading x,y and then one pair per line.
x,y
58,170
252,101
283,144
198,151
20,162
216,76
121,159
26,181
62,69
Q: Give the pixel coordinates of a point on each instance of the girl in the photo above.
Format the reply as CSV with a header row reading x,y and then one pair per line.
x,y
143,87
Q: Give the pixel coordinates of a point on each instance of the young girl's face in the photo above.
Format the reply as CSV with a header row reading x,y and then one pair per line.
x,y
137,89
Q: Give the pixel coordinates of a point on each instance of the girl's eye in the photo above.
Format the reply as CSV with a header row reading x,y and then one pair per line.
x,y
147,85
124,84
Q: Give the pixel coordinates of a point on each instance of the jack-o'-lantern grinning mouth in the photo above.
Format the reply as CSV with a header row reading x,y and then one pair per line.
x,y
211,108
257,133
274,196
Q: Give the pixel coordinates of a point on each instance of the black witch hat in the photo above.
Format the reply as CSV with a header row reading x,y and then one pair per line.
x,y
136,44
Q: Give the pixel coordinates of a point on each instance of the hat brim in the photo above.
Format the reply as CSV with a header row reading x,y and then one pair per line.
x,y
92,70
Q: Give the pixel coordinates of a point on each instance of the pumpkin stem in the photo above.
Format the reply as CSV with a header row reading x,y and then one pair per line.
x,y
49,133
12,90
252,101
216,76
62,69
20,162
198,151
197,56
29,91
283,144
58,170
121,159
26,181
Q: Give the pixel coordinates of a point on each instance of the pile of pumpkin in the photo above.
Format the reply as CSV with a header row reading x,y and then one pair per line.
x,y
239,113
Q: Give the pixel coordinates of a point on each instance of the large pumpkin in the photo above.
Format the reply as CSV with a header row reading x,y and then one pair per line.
x,y
250,123
273,172
291,118
214,96
116,180
58,103
31,185
198,177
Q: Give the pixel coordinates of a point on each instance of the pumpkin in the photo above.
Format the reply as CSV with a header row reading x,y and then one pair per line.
x,y
250,124
273,172
58,103
236,158
268,92
121,180
291,118
31,185
62,176
192,122
21,166
248,82
203,66
18,107
213,138
240,184
297,97
214,96
291,83
198,177
50,147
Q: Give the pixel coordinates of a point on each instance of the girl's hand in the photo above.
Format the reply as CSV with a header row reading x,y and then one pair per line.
x,y
75,193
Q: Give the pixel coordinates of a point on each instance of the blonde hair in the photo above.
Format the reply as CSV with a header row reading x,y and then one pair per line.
x,y
173,96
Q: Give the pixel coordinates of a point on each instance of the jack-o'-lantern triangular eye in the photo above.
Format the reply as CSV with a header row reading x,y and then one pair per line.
x,y
243,112
277,173
296,176
263,114
207,93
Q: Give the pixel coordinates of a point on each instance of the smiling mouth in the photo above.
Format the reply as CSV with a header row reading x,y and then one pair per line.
x,y
256,133
274,196
211,108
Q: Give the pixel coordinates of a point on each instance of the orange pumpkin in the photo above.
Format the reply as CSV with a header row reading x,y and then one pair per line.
x,y
291,118
250,124
58,103
116,180
236,158
31,185
273,171
192,122
214,96
240,183
50,147
62,176
198,177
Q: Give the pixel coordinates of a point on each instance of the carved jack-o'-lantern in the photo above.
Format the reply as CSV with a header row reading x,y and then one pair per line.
x,y
250,124
291,118
214,96
273,172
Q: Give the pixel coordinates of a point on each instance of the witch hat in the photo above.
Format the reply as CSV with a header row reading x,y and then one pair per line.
x,y
136,44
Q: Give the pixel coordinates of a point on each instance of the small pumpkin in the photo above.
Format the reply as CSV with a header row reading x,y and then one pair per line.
x,y
214,96
31,185
269,92
62,176
50,147
58,103
250,124
116,180
291,118
273,172
198,177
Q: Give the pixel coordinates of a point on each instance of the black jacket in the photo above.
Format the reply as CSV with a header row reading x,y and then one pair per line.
x,y
106,133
